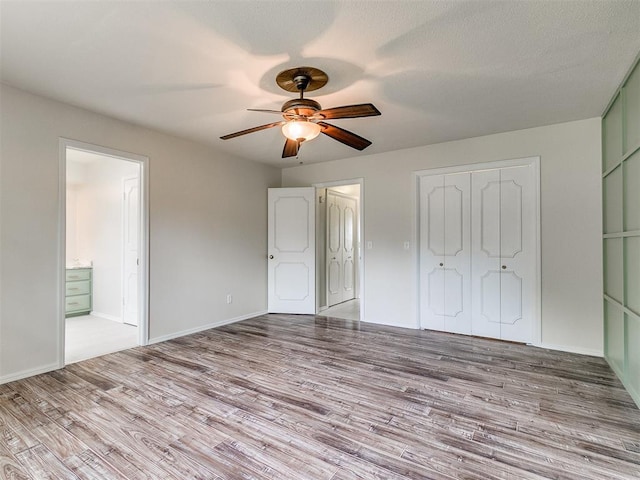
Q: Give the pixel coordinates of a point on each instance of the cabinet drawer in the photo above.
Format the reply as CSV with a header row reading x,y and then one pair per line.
x,y
78,274
78,303
78,288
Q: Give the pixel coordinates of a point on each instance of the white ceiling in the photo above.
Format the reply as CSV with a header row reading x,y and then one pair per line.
x,y
437,70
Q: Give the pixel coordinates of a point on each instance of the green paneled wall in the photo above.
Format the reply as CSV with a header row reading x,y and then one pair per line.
x,y
621,233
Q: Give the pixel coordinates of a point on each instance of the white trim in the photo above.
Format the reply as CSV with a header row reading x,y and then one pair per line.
x,y
29,373
475,167
566,348
106,316
362,249
143,312
209,326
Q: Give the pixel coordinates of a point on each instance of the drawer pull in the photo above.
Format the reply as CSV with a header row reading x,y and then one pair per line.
x,y
74,276
74,303
74,288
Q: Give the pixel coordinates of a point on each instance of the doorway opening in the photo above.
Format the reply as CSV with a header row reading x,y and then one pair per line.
x,y
103,251
339,253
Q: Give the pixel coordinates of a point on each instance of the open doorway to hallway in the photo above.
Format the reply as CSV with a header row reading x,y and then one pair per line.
x,y
102,254
339,251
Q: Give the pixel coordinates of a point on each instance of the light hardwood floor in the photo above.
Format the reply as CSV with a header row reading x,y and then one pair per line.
x,y
298,397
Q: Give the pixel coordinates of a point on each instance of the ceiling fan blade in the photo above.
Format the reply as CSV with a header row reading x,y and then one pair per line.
x,y
291,148
251,130
264,110
344,136
348,111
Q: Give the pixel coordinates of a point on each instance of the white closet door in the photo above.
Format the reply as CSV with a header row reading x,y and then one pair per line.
x,y
485,251
348,248
334,250
517,252
445,298
503,250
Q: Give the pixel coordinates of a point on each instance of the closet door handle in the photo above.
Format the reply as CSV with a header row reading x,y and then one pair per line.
x,y
504,267
441,264
270,257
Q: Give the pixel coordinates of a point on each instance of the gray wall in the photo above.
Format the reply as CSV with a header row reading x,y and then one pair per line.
x,y
570,223
207,227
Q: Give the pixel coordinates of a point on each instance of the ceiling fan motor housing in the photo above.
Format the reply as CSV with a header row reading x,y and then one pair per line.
x,y
300,107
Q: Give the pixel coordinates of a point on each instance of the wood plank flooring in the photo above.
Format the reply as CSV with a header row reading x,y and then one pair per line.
x,y
303,397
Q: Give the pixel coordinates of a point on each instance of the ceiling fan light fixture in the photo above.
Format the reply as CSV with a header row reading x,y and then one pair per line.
x,y
301,130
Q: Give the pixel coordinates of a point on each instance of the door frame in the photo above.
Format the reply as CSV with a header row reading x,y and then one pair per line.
x,y
534,162
361,252
143,285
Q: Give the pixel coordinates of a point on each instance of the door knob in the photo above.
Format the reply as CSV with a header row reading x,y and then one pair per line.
x,y
270,257
504,267
441,264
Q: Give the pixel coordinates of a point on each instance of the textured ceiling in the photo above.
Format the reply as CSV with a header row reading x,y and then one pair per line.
x,y
437,70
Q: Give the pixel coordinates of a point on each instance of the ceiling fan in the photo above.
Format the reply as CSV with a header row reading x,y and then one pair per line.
x,y
303,118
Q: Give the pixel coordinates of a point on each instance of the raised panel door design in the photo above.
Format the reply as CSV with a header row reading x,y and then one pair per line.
x,y
510,298
517,252
290,236
504,269
445,299
485,251
489,206
435,216
348,251
349,226
291,250
340,264
510,219
454,219
349,284
334,238
288,286
335,249
489,296
334,281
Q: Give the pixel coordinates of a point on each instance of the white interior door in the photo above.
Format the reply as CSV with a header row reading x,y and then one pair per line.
x,y
291,250
445,297
131,247
504,255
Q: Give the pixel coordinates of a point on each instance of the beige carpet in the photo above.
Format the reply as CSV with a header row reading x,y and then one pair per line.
x,y
88,336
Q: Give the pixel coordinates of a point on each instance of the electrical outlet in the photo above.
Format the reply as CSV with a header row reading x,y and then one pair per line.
x,y
229,298
406,245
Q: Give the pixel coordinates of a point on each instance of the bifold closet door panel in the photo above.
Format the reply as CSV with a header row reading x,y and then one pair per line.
x,y
503,253
349,216
485,252
334,250
445,300
517,254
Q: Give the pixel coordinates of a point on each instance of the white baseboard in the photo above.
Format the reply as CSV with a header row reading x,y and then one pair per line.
x,y
106,316
570,349
218,323
29,373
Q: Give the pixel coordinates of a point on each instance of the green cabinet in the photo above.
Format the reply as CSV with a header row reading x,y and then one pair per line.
x,y
77,300
621,232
